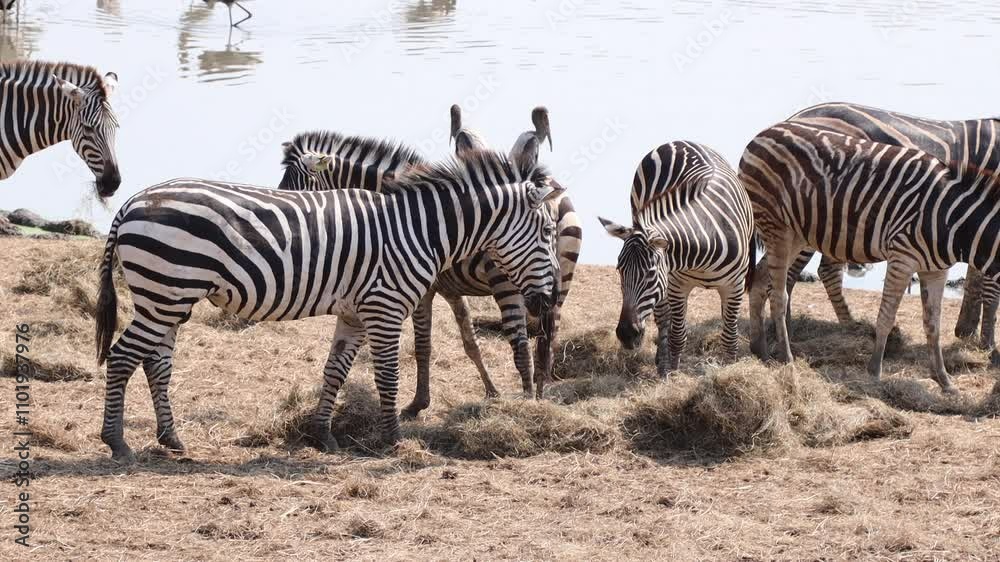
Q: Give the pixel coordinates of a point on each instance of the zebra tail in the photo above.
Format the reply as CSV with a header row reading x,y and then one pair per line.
x,y
756,244
107,298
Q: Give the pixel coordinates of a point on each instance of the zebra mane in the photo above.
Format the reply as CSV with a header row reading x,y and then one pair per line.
x,y
712,160
332,142
40,72
474,164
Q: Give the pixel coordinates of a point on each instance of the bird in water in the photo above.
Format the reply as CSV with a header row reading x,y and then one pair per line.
x,y
229,4
525,148
466,140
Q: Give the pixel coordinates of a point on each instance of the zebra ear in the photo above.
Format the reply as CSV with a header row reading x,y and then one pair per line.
x,y
110,83
615,229
68,88
539,194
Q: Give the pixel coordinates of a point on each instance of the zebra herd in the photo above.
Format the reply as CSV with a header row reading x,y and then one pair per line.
x,y
370,231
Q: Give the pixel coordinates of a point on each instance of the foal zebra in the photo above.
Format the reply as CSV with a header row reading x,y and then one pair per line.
x,y
261,254
44,103
363,163
864,201
691,227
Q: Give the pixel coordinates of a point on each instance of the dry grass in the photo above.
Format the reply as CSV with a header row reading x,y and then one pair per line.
x,y
743,461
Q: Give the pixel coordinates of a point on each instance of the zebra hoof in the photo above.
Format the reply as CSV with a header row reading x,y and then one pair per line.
x,y
171,442
410,412
123,454
327,444
995,358
392,437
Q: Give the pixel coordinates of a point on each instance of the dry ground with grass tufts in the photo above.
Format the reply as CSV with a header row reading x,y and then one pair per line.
x,y
735,462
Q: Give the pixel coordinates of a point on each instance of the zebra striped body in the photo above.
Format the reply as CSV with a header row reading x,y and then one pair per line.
x,y
691,227
366,257
42,104
963,146
863,201
367,164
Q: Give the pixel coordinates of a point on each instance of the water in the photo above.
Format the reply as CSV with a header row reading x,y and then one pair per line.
x,y
619,77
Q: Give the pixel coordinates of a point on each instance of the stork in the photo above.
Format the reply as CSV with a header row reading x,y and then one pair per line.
x,y
229,4
466,140
525,148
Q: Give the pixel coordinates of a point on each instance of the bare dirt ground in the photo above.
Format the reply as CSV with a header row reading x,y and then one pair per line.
x,y
740,462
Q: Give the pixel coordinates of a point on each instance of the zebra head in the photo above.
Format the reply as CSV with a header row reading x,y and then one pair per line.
x,y
642,283
92,128
525,248
302,169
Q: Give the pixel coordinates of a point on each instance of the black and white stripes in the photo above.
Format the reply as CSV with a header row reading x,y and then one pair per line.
x,y
366,257
691,227
42,104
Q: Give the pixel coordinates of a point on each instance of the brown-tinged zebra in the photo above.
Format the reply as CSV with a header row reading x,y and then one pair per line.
x,y
691,227
863,201
45,103
262,254
961,145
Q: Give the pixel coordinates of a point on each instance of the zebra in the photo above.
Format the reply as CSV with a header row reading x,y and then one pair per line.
x,y
960,145
262,254
867,201
363,163
691,227
44,103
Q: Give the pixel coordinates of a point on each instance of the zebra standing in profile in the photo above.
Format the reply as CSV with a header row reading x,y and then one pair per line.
x,y
961,145
366,257
46,103
691,227
864,201
361,163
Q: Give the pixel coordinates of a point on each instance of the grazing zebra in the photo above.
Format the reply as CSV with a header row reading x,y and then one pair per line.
x,y
691,227
44,103
262,254
362,163
866,201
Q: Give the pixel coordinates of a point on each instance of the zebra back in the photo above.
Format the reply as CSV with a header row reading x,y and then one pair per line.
x,y
362,162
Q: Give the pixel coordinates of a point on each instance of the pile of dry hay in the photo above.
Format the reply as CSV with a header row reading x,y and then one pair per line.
x,y
749,407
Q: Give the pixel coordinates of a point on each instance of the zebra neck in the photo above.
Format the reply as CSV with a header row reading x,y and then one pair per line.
x,y
39,119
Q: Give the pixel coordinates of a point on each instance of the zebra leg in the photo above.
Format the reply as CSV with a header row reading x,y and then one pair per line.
x,y
779,256
661,314
731,299
138,342
831,272
460,308
931,292
514,315
897,279
422,327
383,335
990,298
544,349
347,340
760,292
800,263
972,296
677,299
158,368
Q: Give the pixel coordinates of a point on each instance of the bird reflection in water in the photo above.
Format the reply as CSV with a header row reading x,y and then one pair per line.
x,y
229,63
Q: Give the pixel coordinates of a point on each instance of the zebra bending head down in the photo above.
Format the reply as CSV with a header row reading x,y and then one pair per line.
x,y
691,226
368,258
47,103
